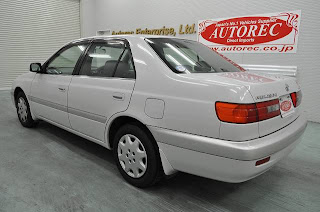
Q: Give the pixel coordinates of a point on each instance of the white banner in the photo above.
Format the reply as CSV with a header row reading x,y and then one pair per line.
x,y
264,33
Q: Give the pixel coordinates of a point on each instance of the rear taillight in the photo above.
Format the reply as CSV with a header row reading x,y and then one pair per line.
x,y
296,98
269,109
236,113
247,113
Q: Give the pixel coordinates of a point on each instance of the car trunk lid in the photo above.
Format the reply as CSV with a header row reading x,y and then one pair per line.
x,y
263,88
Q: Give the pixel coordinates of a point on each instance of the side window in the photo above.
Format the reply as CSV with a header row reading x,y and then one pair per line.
x,y
125,68
108,59
65,61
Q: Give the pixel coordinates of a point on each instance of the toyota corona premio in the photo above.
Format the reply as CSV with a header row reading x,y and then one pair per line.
x,y
164,105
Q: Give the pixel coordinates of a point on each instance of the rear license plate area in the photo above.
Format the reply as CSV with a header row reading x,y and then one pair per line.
x,y
286,105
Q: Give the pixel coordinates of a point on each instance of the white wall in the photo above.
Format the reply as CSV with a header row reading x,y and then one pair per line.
x,y
88,18
129,15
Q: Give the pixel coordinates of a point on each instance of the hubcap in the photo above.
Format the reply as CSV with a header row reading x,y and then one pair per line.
x,y
22,109
132,156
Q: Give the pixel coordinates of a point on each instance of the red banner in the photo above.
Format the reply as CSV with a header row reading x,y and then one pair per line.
x,y
267,33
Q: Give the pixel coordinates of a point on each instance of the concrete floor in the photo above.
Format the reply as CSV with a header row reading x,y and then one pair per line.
x,y
49,169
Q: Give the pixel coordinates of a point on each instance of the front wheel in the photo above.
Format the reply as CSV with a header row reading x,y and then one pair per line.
x,y
137,156
23,111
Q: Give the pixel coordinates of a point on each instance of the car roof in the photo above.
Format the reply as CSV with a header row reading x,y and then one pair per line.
x,y
128,37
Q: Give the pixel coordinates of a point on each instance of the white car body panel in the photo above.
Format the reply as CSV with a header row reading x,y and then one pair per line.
x,y
23,82
179,111
49,97
92,100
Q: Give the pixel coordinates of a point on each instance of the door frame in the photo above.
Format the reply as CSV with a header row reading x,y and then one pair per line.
x,y
101,40
57,53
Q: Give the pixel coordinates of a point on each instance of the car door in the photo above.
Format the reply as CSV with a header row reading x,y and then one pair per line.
x,y
102,87
49,89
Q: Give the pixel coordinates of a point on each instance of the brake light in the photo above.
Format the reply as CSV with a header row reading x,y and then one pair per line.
x,y
236,113
247,113
296,98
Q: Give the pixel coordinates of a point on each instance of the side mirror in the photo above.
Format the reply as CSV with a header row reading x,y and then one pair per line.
x,y
35,67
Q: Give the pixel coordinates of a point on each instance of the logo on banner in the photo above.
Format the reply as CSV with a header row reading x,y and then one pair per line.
x,y
267,33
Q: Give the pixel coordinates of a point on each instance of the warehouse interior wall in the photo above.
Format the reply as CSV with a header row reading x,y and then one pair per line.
x,y
129,15
88,18
32,31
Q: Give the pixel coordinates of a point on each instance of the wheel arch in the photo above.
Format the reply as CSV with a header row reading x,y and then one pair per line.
x,y
17,90
117,122
121,120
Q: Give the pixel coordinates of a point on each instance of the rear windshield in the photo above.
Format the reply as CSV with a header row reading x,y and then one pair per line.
x,y
186,56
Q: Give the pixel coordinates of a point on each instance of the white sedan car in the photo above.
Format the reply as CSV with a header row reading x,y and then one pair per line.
x,y
164,105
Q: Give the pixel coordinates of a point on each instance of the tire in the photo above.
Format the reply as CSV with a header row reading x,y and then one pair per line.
x,y
23,111
137,156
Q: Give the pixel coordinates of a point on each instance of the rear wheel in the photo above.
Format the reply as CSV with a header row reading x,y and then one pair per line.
x,y
137,156
23,111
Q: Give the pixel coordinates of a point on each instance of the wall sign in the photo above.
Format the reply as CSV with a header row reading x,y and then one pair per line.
x,y
170,31
265,33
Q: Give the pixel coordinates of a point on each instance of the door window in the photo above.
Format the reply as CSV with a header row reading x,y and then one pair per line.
x,y
108,59
65,61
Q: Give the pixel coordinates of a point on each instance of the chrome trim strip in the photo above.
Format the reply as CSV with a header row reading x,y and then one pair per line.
x,y
106,78
77,112
48,103
84,114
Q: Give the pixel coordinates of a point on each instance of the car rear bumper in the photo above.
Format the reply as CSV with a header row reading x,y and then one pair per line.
x,y
225,160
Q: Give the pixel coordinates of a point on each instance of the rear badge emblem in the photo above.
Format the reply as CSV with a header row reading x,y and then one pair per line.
x,y
287,87
266,96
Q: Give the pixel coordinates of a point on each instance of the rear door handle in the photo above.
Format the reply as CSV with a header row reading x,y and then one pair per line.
x,y
118,96
62,89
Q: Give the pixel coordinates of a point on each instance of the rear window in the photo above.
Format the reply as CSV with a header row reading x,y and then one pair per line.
x,y
186,56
